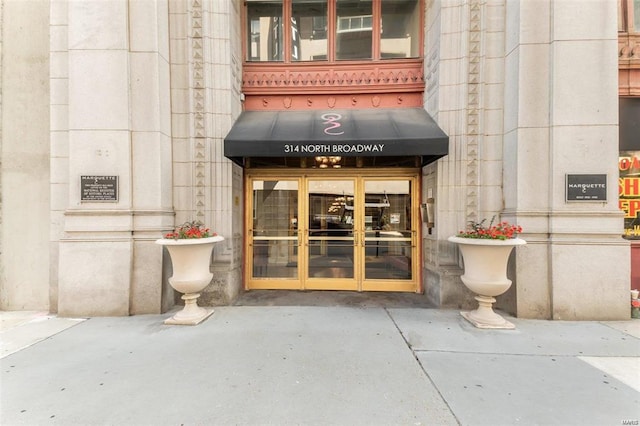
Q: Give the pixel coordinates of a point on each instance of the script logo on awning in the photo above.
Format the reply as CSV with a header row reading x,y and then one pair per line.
x,y
332,120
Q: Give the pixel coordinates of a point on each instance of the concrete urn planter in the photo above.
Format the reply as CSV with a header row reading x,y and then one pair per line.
x,y
485,273
190,259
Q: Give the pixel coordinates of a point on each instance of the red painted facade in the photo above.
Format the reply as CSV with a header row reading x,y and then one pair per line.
x,y
332,83
629,64
384,84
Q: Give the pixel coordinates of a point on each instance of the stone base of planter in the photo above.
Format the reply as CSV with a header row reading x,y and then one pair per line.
x,y
497,322
191,319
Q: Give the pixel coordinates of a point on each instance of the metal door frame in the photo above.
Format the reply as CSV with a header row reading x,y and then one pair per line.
x,y
358,282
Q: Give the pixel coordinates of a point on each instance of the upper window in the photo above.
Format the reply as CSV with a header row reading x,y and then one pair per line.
x,y
332,30
308,30
265,30
629,16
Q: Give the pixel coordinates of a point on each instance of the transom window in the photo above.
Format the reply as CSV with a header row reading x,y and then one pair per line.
x,y
332,30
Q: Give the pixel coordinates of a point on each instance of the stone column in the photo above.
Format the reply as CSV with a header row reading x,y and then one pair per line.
x,y
561,115
152,178
24,151
118,125
464,64
205,87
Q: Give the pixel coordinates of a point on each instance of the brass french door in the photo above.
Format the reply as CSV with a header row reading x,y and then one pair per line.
x,y
337,232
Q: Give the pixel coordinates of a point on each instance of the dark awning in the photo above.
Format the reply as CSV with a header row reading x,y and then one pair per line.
x,y
349,133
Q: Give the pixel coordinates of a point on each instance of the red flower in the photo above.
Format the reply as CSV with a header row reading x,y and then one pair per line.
x,y
190,230
501,231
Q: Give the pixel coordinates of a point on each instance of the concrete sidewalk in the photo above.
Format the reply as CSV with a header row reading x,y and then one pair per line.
x,y
322,365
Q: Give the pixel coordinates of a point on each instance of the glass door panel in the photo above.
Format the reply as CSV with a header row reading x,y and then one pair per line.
x,y
330,235
274,231
388,242
340,233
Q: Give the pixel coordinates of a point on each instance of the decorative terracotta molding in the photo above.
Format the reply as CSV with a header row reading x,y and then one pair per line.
x,y
629,51
629,82
198,106
330,78
337,101
473,110
629,64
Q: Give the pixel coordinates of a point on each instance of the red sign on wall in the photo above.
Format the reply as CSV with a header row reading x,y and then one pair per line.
x,y
629,192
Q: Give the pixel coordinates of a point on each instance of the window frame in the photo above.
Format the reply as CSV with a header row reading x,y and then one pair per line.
x,y
331,36
626,17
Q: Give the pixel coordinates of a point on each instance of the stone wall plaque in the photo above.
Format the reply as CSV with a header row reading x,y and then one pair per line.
x,y
99,189
586,188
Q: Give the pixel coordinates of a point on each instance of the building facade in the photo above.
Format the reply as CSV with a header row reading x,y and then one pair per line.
x,y
335,144
629,91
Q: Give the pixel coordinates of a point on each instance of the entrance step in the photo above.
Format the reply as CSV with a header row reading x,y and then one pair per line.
x,y
333,298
